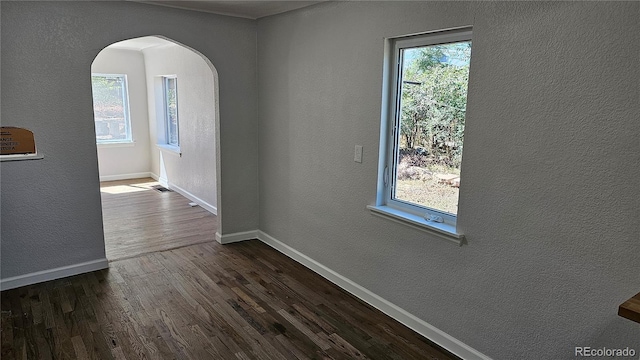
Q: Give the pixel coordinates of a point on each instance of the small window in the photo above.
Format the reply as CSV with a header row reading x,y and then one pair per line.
x,y
424,124
111,108
170,91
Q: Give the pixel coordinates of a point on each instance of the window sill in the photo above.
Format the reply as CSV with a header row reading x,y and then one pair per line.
x,y
17,157
442,230
170,149
116,144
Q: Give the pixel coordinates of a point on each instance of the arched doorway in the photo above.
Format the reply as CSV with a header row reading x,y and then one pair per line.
x,y
157,125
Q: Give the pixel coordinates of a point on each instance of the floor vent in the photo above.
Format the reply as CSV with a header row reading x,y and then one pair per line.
x,y
160,188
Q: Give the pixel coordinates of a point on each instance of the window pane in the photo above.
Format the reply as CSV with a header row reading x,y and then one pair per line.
x,y
110,108
431,114
171,97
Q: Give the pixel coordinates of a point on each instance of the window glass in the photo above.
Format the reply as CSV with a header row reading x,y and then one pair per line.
x,y
430,108
111,108
171,110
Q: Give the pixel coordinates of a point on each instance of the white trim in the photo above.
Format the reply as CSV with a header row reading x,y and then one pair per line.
x,y
16,157
126,111
442,230
423,328
237,237
139,175
53,274
115,144
399,210
205,205
430,38
171,149
167,120
164,182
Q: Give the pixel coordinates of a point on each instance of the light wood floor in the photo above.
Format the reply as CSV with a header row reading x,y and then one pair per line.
x,y
202,301
138,219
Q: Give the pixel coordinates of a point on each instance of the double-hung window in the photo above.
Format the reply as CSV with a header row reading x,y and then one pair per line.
x,y
170,94
111,108
424,108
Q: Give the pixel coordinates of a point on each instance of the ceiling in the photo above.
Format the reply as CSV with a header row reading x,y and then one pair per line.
x,y
239,8
140,43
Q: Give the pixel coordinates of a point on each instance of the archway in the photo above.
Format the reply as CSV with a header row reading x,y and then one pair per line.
x,y
165,126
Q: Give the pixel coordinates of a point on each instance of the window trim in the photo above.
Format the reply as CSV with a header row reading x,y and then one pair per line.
x,y
401,211
165,100
127,113
169,149
442,230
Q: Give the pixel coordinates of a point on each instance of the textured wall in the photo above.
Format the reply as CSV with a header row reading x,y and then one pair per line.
x,y
116,159
549,197
51,214
195,170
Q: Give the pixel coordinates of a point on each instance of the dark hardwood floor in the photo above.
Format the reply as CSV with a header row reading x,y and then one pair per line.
x,y
201,301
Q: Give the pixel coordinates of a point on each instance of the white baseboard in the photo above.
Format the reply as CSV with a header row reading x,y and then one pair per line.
x,y
423,328
203,204
236,237
432,333
125,176
163,181
52,274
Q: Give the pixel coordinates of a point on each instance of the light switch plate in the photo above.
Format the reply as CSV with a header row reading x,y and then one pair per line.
x,y
358,154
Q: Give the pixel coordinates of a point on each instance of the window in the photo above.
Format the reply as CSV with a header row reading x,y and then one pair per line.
x,y
111,108
423,127
170,91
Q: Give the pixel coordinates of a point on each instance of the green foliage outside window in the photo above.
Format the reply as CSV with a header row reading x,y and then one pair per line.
x,y
434,99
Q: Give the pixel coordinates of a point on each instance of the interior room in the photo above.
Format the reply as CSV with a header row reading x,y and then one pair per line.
x,y
135,157
289,157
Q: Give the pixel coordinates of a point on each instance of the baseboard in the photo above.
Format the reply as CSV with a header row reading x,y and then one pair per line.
x,y
423,328
236,237
53,274
162,181
203,204
125,176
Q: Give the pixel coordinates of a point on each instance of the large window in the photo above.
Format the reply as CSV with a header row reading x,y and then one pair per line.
x,y
424,124
170,93
111,108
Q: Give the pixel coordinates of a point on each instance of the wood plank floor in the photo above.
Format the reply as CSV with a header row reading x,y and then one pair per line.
x,y
200,301
204,301
138,219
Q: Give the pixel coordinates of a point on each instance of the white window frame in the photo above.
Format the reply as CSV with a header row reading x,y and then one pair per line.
x,y
167,119
417,216
127,118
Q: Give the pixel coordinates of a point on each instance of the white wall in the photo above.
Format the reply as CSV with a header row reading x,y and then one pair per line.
x,y
118,160
51,212
550,195
195,170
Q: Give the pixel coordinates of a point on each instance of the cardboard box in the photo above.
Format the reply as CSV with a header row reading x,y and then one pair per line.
x,y
15,140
